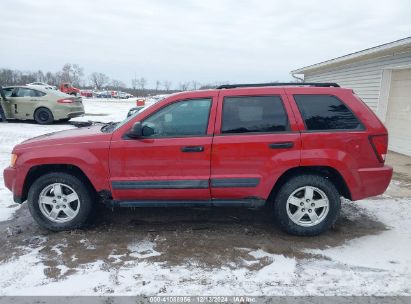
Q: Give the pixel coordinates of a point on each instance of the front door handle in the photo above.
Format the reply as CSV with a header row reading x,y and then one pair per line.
x,y
281,145
192,149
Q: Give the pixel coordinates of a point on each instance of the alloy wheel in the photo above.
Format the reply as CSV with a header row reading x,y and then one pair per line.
x,y
59,203
307,206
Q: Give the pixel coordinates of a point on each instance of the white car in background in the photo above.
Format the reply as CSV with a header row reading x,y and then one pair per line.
x,y
43,85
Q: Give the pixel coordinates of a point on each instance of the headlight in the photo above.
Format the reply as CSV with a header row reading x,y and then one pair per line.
x,y
13,160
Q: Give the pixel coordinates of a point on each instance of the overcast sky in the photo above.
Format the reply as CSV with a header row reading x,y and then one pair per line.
x,y
183,40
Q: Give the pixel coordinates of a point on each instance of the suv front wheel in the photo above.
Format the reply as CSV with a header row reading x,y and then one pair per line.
x,y
307,205
60,201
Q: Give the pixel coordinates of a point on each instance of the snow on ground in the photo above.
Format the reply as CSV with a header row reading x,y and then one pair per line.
x,y
369,265
389,251
106,110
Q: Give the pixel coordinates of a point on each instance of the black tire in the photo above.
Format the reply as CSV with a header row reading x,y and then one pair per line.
x,y
295,183
43,116
84,193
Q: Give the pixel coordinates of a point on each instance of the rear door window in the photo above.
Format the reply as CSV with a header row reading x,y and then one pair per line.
x,y
245,114
326,112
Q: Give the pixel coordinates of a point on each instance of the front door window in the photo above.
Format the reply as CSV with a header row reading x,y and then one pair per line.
x,y
179,119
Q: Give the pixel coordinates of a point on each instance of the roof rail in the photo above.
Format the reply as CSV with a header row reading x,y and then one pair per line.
x,y
277,84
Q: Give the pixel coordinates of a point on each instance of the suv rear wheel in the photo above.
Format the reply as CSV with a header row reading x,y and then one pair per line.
x,y
60,201
307,205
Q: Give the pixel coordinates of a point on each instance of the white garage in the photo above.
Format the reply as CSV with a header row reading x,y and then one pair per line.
x,y
381,76
398,118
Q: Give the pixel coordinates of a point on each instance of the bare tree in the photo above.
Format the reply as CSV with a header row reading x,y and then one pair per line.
x,y
167,85
7,77
51,78
77,75
195,84
99,80
141,83
134,83
158,83
183,86
27,78
40,76
117,84
72,73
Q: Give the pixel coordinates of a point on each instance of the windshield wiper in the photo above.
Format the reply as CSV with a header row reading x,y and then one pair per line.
x,y
108,127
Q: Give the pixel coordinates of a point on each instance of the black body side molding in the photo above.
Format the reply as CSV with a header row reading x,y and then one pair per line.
x,y
248,203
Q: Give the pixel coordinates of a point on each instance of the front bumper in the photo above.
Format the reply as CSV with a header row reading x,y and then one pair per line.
x,y
11,182
9,175
374,181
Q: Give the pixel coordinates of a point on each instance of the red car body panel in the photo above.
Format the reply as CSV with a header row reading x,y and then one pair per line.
x,y
161,159
349,152
85,148
109,158
249,156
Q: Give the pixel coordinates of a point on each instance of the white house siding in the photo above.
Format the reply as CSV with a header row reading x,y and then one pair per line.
x,y
363,77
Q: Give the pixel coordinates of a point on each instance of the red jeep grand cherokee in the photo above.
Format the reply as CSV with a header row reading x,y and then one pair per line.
x,y
298,147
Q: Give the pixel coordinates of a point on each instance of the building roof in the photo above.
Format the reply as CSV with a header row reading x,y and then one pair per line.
x,y
374,52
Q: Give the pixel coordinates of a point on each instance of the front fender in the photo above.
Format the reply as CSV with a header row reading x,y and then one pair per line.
x,y
90,158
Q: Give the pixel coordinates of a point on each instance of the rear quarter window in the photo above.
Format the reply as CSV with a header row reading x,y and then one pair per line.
x,y
326,112
39,94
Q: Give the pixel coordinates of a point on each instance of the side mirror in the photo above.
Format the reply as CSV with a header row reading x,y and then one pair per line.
x,y
147,131
136,131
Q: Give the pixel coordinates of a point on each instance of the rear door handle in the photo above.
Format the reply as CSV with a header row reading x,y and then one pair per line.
x,y
192,149
281,145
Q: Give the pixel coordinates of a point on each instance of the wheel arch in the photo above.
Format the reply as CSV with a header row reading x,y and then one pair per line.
x,y
326,171
42,107
39,170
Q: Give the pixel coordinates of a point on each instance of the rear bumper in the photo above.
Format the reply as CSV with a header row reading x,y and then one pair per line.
x,y
75,114
12,183
374,181
68,111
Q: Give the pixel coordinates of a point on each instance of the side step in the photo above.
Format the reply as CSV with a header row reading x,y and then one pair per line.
x,y
249,203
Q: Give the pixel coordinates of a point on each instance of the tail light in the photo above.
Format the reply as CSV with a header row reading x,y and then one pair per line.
x,y
65,100
140,102
380,146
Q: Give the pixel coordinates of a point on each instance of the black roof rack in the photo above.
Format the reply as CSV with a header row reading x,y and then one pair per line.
x,y
277,84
